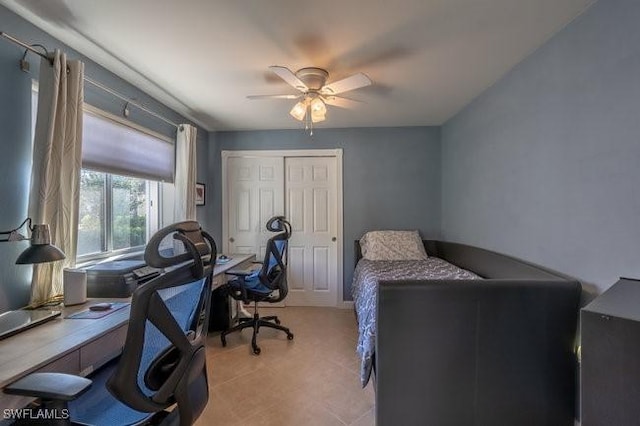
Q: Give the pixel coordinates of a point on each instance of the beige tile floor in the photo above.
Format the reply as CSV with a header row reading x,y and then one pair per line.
x,y
311,380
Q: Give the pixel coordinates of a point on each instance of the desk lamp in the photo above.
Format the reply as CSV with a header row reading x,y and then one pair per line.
x,y
41,250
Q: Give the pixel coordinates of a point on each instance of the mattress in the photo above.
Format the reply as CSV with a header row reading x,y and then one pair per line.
x,y
364,290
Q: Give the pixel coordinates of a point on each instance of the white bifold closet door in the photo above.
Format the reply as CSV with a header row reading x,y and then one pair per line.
x,y
304,189
310,191
256,193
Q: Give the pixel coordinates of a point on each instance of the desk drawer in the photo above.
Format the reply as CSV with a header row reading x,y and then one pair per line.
x,y
70,364
102,350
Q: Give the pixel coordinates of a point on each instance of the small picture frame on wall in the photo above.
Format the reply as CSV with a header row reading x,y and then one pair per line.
x,y
200,194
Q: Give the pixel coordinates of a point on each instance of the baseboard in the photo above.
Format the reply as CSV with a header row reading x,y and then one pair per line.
x,y
346,304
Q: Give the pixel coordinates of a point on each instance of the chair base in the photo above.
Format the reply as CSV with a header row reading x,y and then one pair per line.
x,y
255,323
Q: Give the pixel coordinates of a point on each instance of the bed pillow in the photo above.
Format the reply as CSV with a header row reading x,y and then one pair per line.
x,y
392,245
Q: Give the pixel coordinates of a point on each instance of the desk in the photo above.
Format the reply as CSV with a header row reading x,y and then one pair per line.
x,y
74,346
235,261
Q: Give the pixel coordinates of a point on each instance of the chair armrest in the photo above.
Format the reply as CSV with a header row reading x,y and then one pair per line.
x,y
52,386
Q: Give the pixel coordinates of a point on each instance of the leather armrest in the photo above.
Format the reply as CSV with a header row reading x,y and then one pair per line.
x,y
52,386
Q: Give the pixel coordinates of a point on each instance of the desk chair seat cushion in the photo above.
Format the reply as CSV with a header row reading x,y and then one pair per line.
x,y
251,283
97,407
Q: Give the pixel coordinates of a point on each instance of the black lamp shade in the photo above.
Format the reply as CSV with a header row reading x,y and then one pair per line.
x,y
40,253
41,250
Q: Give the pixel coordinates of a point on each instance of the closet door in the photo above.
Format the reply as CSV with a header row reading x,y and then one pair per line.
x,y
311,207
255,194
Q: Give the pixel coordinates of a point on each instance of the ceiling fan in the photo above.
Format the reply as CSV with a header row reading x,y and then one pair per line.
x,y
315,94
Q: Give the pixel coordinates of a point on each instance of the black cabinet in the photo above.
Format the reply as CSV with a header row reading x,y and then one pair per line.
x,y
610,367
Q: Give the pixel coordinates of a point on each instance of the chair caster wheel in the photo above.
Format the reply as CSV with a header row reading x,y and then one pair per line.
x,y
290,336
256,351
224,341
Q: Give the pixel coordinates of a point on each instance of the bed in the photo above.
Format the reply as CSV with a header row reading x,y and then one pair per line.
x,y
454,350
364,290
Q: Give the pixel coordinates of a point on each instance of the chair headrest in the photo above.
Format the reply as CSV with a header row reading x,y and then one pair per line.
x,y
200,248
279,224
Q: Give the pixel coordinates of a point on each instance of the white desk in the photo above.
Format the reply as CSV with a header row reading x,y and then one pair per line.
x,y
74,346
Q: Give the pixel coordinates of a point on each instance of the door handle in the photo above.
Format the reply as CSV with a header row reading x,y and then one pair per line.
x,y
231,240
334,239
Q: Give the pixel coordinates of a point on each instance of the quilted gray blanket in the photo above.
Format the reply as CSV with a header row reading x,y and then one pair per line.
x,y
365,289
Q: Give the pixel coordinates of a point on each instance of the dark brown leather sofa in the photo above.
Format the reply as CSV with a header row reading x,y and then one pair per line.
x,y
491,353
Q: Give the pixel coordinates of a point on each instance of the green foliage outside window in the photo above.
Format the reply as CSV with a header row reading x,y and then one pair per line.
x,y
128,210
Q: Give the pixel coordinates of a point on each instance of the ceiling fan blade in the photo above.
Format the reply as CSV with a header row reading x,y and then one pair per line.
x,y
287,75
353,82
340,102
274,96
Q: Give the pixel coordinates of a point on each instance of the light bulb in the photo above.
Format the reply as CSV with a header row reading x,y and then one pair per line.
x,y
317,116
318,106
299,111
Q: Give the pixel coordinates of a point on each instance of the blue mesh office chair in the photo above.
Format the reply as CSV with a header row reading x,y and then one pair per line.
x,y
267,284
163,360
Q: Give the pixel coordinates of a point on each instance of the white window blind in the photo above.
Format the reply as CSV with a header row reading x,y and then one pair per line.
x,y
113,146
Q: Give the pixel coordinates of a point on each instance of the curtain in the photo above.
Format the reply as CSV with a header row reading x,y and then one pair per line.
x,y
57,158
185,181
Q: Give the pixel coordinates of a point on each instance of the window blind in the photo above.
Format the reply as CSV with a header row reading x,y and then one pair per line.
x,y
112,146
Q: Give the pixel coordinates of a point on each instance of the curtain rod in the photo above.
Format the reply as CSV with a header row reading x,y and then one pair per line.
x,y
92,82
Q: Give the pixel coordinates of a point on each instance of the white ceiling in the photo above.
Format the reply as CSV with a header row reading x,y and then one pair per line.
x,y
427,58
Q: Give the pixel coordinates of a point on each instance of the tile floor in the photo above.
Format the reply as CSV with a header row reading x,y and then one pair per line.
x,y
311,380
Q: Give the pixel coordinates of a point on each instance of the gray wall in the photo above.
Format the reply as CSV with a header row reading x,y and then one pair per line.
x,y
15,141
545,164
391,177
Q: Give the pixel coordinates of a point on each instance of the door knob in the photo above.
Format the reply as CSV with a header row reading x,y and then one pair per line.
x,y
334,239
231,240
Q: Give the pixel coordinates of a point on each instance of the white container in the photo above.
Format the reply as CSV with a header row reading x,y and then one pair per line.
x,y
74,284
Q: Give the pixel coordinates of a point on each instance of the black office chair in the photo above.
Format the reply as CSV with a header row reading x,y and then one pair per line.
x,y
266,284
163,360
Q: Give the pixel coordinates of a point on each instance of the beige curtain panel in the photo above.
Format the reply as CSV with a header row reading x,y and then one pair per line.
x,y
185,181
57,158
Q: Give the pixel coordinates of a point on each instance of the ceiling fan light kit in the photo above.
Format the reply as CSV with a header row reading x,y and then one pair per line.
x,y
298,111
316,93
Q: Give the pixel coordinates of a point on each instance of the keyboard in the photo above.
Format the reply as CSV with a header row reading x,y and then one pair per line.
x,y
146,272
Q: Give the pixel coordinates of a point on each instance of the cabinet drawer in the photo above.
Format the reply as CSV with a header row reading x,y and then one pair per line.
x,y
70,364
102,350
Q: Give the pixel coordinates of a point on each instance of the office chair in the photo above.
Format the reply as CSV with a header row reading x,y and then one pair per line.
x,y
163,360
267,284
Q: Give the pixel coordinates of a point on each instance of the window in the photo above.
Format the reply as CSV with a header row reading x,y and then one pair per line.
x,y
119,185
117,213
122,183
